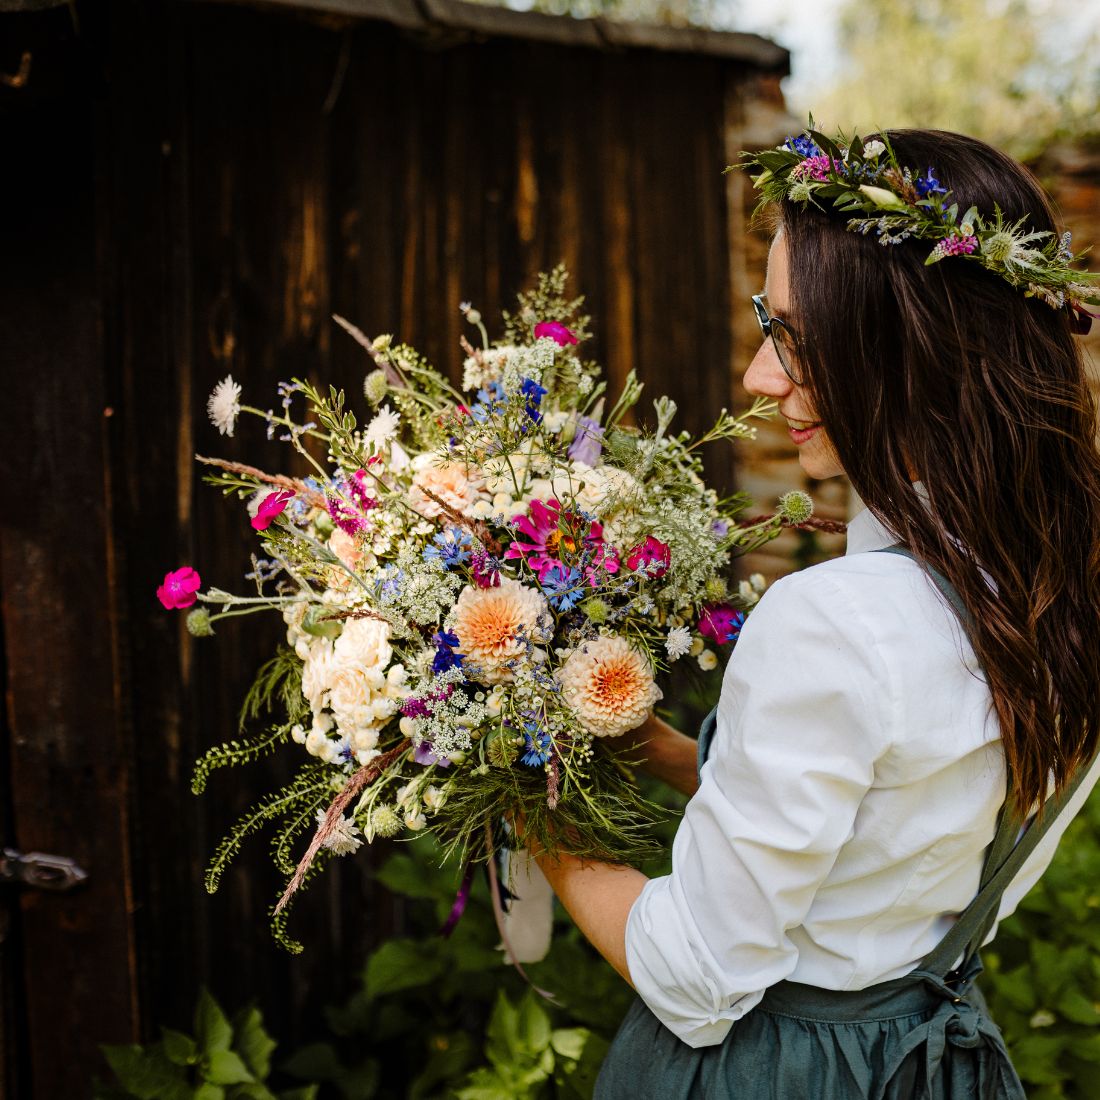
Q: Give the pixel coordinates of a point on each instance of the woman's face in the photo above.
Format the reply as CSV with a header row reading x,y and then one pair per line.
x,y
766,377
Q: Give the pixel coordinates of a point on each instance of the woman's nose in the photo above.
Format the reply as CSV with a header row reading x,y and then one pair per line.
x,y
766,376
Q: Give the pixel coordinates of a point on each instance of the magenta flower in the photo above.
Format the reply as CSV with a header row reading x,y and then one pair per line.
x,y
539,537
179,588
272,506
962,245
652,550
816,168
555,331
722,622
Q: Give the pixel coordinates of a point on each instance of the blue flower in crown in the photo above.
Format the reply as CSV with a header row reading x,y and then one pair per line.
x,y
928,185
803,146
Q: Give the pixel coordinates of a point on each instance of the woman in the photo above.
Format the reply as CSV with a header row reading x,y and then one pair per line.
x,y
882,709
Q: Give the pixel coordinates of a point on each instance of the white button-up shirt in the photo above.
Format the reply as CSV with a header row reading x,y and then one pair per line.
x,y
852,787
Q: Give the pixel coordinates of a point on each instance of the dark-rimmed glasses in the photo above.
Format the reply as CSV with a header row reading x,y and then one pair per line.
x,y
782,337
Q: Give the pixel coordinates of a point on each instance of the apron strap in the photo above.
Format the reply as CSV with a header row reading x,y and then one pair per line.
x,y
1009,850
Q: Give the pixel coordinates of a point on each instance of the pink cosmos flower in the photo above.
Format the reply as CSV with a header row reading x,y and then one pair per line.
x,y
652,550
179,588
722,622
273,505
548,538
555,331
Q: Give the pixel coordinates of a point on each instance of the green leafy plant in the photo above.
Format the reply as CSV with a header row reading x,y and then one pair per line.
x,y
223,1060
1042,977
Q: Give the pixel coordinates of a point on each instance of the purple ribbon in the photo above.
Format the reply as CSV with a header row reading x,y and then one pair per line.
x,y
459,906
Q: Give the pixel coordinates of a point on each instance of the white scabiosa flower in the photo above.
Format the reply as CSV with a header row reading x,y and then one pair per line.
x,y
223,405
385,821
344,838
382,428
678,642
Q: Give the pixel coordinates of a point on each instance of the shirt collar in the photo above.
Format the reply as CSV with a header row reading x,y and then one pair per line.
x,y
866,532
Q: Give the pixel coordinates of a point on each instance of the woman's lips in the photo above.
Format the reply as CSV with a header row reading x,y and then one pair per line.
x,y
802,431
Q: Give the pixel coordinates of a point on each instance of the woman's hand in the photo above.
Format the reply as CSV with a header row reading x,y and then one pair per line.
x,y
664,752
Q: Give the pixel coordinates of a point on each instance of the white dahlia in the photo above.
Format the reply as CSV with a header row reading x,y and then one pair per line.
x,y
609,685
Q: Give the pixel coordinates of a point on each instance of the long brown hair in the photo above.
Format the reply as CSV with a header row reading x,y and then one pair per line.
x,y
949,372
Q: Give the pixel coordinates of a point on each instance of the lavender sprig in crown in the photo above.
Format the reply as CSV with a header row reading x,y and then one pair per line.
x,y
864,179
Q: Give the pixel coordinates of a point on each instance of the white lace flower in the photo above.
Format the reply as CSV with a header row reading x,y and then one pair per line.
x,y
344,838
223,405
678,642
382,428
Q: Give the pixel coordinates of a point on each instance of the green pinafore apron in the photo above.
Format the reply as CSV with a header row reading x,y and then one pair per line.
x,y
924,1036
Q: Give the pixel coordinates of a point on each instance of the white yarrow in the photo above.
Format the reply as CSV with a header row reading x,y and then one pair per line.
x,y
223,405
678,643
383,427
344,838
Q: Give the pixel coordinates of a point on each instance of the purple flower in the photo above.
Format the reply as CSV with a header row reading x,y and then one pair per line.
x,y
485,570
719,528
928,185
802,145
445,655
534,394
425,754
587,442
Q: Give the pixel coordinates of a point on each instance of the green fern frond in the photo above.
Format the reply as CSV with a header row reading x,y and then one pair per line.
x,y
282,843
279,920
236,752
279,678
311,786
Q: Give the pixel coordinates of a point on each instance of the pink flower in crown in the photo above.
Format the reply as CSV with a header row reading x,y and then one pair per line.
x,y
179,588
721,622
271,507
815,168
649,552
554,331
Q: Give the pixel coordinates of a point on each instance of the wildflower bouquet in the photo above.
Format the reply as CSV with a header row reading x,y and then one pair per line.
x,y
482,590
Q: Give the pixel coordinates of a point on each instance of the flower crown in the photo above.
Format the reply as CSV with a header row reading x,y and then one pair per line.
x,y
865,180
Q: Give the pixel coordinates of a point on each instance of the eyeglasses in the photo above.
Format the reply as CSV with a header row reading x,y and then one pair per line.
x,y
783,339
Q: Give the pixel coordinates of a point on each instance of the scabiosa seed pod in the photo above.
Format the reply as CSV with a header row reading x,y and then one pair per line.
x,y
375,387
796,506
596,609
716,589
198,623
502,751
385,822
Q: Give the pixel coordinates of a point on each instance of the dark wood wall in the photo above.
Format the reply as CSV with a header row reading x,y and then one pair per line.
x,y
200,188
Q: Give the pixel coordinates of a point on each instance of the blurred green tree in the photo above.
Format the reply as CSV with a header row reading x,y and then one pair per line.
x,y
1018,73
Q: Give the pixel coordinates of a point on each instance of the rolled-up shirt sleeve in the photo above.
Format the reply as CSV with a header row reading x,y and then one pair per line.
x,y
803,716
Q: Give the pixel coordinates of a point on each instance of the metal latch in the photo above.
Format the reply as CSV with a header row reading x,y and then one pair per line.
x,y
37,869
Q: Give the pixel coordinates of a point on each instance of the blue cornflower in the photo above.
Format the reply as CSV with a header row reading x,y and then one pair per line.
x,y
534,394
489,401
449,547
803,146
928,185
537,744
445,655
389,587
563,587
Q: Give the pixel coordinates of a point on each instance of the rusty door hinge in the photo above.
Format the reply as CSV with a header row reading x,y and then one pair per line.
x,y
45,872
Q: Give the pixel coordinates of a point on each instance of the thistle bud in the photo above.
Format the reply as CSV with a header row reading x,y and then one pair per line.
x,y
473,316
796,506
198,623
